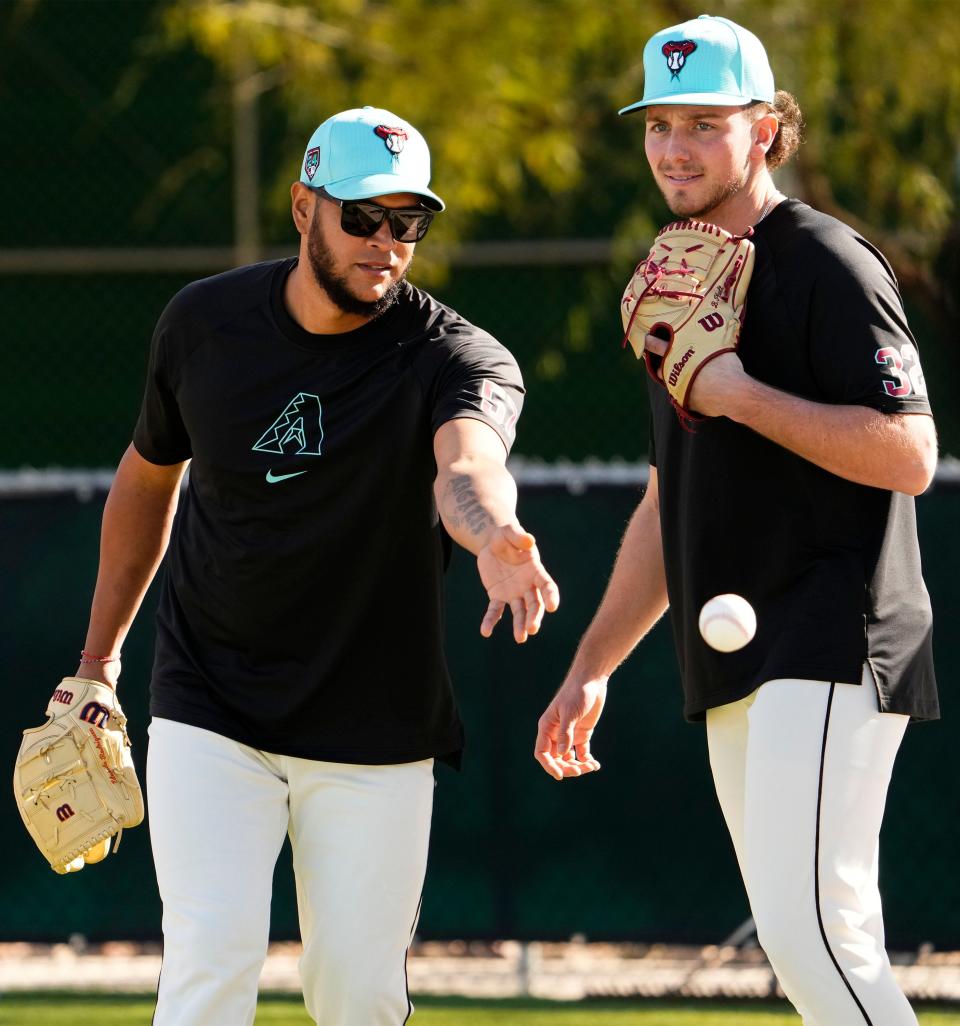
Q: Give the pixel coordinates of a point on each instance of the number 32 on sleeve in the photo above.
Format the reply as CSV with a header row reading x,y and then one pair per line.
x,y
904,365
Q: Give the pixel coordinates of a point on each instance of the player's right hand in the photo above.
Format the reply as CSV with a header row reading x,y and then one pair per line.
x,y
566,726
514,575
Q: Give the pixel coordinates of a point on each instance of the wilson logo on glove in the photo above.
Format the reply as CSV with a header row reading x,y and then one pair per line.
x,y
94,712
678,366
710,323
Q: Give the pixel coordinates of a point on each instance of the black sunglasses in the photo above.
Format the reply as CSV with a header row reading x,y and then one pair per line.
x,y
362,218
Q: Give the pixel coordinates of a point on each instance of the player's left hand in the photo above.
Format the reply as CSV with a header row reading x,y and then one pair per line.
x,y
718,387
511,571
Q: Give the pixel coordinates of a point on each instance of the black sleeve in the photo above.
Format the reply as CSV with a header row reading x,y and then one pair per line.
x,y
861,348
479,378
160,435
652,445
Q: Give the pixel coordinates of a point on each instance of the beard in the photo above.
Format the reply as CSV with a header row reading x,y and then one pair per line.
x,y
335,284
682,206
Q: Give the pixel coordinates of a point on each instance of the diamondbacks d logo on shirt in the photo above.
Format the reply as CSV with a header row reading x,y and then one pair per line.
x,y
297,431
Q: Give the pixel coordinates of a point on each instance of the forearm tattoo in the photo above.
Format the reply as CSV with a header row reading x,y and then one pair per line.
x,y
462,506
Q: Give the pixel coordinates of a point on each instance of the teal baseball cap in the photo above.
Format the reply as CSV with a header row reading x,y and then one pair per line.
x,y
366,152
706,60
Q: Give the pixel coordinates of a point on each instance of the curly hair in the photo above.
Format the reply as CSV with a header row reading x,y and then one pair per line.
x,y
790,134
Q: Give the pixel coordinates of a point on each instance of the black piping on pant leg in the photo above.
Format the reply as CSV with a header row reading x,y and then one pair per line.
x,y
816,874
406,955
153,1018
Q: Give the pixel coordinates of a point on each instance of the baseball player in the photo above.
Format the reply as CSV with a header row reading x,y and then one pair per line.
x,y
341,426
794,490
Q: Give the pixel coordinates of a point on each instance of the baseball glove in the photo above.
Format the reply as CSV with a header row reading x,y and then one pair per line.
x,y
74,779
689,291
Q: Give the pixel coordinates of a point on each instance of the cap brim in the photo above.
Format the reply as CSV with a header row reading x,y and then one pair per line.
x,y
368,186
704,99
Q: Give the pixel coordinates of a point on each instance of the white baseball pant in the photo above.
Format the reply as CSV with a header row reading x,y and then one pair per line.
x,y
218,813
801,770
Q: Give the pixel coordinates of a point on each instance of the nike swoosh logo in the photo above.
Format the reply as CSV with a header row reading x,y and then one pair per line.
x,y
274,478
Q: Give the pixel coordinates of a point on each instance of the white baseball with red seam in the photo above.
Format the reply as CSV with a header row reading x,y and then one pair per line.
x,y
727,622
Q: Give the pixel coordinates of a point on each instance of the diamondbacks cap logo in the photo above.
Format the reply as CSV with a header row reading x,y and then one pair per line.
x,y
311,162
393,138
677,52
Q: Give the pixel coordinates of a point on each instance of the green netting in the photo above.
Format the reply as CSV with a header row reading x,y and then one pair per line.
x,y
638,851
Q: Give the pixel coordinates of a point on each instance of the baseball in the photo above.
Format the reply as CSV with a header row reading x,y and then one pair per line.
x,y
97,853
727,622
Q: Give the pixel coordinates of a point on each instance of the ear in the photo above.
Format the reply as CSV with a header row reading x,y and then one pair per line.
x,y
302,202
764,131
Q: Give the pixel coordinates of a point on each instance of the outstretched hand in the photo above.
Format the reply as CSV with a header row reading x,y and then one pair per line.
x,y
511,571
566,726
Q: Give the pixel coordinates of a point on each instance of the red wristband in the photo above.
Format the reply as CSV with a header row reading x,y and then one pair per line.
x,y
87,657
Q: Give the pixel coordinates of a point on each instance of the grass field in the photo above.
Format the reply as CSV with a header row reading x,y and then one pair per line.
x,y
57,1010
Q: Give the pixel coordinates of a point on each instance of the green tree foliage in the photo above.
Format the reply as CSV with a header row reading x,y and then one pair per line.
x,y
518,97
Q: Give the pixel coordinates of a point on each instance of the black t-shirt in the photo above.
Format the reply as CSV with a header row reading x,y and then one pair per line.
x,y
832,568
302,606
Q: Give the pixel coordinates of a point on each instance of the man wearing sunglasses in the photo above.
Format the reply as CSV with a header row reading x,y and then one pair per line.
x,y
342,426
